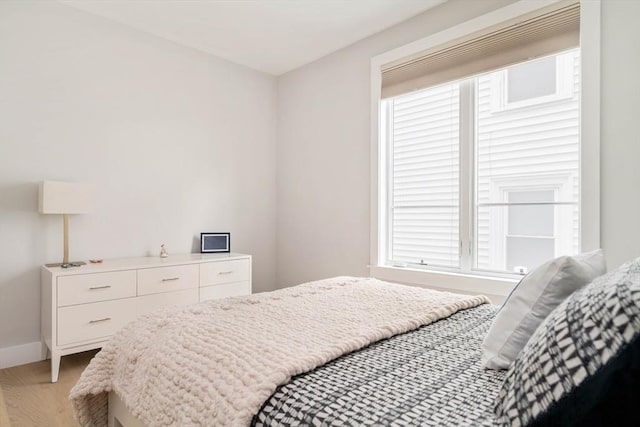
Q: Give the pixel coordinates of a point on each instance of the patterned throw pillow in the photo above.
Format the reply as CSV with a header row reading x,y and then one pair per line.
x,y
580,358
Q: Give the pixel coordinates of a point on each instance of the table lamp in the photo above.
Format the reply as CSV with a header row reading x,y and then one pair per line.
x,y
64,198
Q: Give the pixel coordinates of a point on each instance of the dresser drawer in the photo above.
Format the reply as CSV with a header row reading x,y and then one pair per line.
x,y
167,279
227,290
148,303
95,321
215,273
84,288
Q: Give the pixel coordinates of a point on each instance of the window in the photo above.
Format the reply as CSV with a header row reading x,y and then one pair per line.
x,y
534,82
532,79
486,229
423,139
475,188
529,236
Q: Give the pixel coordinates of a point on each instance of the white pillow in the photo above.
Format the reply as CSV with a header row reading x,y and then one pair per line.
x,y
531,301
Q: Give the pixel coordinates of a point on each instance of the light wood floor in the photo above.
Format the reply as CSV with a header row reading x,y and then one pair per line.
x,y
29,399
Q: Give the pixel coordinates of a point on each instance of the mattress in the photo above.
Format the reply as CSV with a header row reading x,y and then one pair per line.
x,y
431,376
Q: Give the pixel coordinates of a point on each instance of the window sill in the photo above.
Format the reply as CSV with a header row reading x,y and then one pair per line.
x,y
455,282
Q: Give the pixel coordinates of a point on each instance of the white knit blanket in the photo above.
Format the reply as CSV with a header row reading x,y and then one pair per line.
x,y
216,362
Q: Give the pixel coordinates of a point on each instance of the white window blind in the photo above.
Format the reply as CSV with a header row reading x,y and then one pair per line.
x,y
535,35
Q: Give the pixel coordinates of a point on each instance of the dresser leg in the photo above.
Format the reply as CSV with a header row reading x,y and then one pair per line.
x,y
55,367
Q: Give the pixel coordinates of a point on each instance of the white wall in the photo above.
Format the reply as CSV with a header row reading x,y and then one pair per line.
x,y
174,141
324,143
324,150
620,144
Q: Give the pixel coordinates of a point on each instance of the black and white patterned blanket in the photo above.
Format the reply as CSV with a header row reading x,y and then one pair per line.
x,y
431,376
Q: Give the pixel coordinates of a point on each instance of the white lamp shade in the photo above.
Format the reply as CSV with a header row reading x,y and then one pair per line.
x,y
58,197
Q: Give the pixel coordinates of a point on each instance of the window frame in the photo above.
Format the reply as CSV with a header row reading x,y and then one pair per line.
x,y
497,285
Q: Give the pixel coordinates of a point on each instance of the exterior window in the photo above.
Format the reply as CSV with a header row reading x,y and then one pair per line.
x,y
540,81
532,79
483,173
530,234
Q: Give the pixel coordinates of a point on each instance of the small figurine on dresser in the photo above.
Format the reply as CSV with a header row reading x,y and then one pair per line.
x,y
163,251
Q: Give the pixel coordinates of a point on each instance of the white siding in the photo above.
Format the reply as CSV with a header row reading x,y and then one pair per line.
x,y
531,146
425,158
520,146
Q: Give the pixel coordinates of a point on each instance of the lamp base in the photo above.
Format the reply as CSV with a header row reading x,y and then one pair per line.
x,y
69,264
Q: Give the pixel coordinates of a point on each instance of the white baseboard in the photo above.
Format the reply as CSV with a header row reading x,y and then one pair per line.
x,y
20,354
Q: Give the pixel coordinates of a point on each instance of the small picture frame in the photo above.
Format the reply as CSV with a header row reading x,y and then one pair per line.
x,y
215,243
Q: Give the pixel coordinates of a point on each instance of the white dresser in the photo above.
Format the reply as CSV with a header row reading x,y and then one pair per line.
x,y
83,306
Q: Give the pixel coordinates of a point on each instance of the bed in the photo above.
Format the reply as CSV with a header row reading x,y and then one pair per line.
x,y
344,351
430,376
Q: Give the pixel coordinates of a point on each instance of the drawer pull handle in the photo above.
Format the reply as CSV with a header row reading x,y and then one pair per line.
x,y
100,320
226,272
171,279
99,287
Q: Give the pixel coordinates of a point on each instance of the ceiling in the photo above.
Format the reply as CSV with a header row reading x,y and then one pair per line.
x,y
274,36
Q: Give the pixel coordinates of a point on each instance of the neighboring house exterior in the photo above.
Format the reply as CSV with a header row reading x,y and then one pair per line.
x,y
526,127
